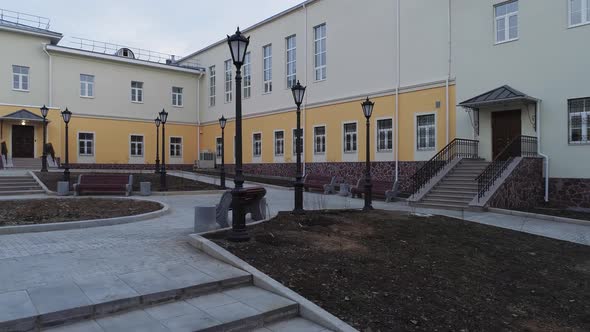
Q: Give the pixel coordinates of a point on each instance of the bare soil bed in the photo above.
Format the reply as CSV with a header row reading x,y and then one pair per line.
x,y
390,271
282,182
174,183
47,211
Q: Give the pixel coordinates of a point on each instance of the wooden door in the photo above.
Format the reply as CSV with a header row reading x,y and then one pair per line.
x,y
506,125
23,142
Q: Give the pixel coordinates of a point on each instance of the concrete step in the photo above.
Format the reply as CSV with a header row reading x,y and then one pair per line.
x,y
458,182
456,188
15,178
445,201
18,188
470,193
21,192
456,207
454,197
455,176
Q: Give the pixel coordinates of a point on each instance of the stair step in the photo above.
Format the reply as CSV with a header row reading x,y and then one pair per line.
x,y
454,192
18,188
441,206
21,192
437,196
15,178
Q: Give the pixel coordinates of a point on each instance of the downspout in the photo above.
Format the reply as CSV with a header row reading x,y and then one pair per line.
x,y
448,76
199,118
398,43
304,126
545,157
50,75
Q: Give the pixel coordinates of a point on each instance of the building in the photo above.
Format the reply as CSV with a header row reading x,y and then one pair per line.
x,y
437,71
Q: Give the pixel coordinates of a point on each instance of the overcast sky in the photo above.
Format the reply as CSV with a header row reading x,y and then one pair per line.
x,y
176,27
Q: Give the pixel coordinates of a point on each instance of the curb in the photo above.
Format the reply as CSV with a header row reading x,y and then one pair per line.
x,y
62,226
540,216
307,309
183,193
41,184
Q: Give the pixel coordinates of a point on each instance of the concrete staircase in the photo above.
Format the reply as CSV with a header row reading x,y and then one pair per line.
x,y
26,163
457,188
19,185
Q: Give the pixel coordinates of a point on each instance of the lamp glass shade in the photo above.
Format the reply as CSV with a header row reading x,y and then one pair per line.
x,y
163,116
368,108
44,111
157,121
66,115
238,44
222,122
298,93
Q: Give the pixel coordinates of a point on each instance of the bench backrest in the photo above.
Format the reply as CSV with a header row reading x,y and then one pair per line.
x,y
121,179
254,193
322,179
382,185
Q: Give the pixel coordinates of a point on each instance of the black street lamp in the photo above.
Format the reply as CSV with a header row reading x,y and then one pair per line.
x,y
367,111
44,111
157,121
67,115
222,123
298,93
238,44
163,119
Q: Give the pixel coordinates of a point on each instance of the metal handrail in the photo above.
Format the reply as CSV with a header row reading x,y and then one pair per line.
x,y
520,146
459,147
25,19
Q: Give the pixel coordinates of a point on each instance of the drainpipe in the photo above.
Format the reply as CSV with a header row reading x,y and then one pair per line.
x,y
448,76
199,118
545,157
397,93
50,75
304,126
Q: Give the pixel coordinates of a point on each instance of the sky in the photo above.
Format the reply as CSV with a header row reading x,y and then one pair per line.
x,y
177,27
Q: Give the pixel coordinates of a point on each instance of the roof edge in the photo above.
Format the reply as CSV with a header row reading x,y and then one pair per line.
x,y
55,37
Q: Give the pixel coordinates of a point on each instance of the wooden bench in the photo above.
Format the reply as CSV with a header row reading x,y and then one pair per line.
x,y
319,182
254,204
104,183
383,189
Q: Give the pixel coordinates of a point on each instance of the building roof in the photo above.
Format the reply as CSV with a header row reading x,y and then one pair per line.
x,y
503,94
55,37
22,115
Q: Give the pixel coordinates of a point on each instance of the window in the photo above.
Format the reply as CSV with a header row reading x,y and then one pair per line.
x,y
319,138
177,96
267,65
384,135
137,92
136,145
86,144
218,146
175,146
291,62
319,47
86,86
247,76
228,82
506,21
20,78
350,137
212,86
579,121
257,145
279,143
579,12
426,132
295,141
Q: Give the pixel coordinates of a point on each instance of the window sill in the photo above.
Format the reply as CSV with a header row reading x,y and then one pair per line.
x,y
385,151
20,90
573,26
85,155
579,143
267,93
320,81
137,102
175,106
319,153
175,157
426,149
506,41
87,97
350,152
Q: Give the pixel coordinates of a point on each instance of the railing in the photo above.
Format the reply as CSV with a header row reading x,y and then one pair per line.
x,y
49,150
3,154
459,147
24,19
521,146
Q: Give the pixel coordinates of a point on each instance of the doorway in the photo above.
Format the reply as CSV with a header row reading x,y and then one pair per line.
x,y
23,141
506,126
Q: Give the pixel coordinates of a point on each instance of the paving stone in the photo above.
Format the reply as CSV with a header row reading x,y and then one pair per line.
x,y
149,282
219,270
16,305
190,323
137,320
59,296
86,326
105,288
296,325
231,312
267,301
171,310
211,301
185,275
243,293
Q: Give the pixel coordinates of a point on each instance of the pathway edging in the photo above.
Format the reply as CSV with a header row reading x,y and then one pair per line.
x,y
540,216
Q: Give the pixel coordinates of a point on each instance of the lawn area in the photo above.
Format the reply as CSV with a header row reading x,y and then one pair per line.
x,y
174,183
47,211
390,271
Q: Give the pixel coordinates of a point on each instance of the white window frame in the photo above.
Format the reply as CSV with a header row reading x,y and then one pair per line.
x,y
18,77
302,142
177,97
267,60
291,50
247,93
318,51
228,80
584,125
276,141
378,131
417,129
92,141
212,86
585,19
138,92
177,145
86,85
506,17
325,143
353,137
254,155
133,145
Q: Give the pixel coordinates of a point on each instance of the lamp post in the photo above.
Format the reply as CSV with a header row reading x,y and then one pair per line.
x,y
67,115
222,123
298,93
367,111
157,121
238,44
163,119
44,111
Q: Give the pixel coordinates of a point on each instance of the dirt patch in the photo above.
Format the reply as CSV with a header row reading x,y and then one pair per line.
x,y
282,182
174,183
48,211
388,271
